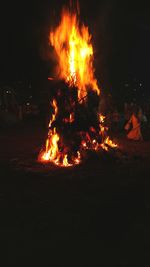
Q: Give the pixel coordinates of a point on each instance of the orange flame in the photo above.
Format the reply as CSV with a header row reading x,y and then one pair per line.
x,y
53,154
65,161
101,118
106,141
74,50
70,119
51,146
109,142
52,150
75,54
54,105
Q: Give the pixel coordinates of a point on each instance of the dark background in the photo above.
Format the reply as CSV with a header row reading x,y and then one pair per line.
x,y
121,40
97,214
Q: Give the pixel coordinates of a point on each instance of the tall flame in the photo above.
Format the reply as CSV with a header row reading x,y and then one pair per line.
x,y
54,105
51,146
75,54
72,43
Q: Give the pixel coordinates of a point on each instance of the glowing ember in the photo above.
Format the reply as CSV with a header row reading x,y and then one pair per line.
x,y
109,142
70,119
75,125
101,118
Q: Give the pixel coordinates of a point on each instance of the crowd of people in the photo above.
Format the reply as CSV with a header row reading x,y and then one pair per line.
x,y
133,120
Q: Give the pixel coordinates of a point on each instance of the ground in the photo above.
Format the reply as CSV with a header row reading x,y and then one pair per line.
x,y
96,214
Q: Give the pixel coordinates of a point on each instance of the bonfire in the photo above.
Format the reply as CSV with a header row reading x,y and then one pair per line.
x,y
75,125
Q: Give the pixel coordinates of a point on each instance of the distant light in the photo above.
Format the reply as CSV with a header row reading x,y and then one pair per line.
x,y
140,84
28,103
126,84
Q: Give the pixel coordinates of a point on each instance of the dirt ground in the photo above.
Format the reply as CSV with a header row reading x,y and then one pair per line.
x,y
95,214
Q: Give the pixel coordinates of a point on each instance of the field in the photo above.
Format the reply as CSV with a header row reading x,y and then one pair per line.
x,y
95,214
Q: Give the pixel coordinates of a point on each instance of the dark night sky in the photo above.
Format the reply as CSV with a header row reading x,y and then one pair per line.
x,y
120,29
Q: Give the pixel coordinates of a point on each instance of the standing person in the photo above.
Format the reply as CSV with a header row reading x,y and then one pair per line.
x,y
134,121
